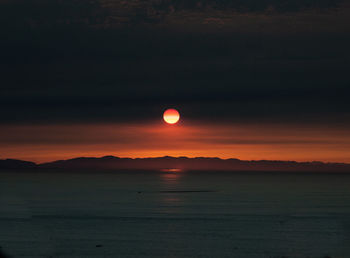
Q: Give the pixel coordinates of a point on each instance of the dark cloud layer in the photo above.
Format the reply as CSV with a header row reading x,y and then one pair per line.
x,y
97,12
250,5
60,62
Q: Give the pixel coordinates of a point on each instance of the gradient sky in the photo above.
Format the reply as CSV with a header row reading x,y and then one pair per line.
x,y
252,80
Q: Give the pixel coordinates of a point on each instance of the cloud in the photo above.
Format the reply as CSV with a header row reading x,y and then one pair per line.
x,y
249,5
118,13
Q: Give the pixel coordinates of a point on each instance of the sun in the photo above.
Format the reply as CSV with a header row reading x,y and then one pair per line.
x,y
171,116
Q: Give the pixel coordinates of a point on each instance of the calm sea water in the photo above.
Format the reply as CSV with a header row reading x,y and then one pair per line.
x,y
180,214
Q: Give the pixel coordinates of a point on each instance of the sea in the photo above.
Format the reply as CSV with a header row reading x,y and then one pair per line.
x,y
175,214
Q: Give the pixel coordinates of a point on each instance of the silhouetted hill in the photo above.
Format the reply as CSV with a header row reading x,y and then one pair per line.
x,y
184,163
16,164
200,163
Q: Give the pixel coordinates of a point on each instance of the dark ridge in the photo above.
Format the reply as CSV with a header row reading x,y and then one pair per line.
x,y
199,163
16,164
171,164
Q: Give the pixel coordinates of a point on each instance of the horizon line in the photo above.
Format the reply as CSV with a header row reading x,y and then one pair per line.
x,y
178,157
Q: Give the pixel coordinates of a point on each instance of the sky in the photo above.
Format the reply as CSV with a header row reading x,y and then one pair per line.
x,y
251,79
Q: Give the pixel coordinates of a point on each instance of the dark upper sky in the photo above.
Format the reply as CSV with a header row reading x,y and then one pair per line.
x,y
229,60
252,79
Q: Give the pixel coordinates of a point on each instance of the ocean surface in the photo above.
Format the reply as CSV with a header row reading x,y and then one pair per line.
x,y
174,214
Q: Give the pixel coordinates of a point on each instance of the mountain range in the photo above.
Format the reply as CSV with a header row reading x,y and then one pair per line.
x,y
181,163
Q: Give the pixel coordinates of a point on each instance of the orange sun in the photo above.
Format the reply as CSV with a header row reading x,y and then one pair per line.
x,y
171,116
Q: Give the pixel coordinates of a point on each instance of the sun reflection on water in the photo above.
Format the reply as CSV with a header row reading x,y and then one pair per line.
x,y
172,201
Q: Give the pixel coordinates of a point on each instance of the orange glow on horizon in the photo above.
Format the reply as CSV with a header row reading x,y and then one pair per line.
x,y
42,143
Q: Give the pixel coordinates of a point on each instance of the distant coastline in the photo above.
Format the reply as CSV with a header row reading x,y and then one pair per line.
x,y
179,163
